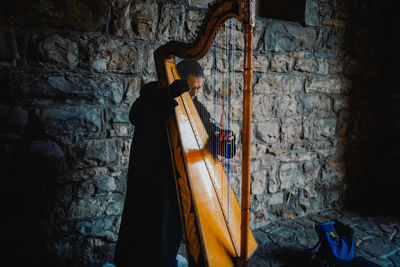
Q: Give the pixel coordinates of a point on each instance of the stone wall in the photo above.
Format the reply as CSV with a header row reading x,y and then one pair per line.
x,y
324,110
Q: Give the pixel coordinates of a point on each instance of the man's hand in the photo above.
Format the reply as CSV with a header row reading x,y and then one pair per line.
x,y
226,136
178,87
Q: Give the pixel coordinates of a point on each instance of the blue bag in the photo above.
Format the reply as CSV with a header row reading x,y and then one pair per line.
x,y
336,241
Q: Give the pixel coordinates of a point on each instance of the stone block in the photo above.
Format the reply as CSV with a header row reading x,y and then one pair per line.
x,y
134,19
327,147
84,174
100,227
93,153
105,90
103,54
192,29
86,208
341,103
322,66
260,63
317,105
333,168
117,115
336,66
86,189
268,132
68,88
287,37
291,130
170,24
262,107
282,63
287,106
67,120
276,198
132,91
272,165
329,42
308,199
200,3
258,179
53,51
297,154
311,169
290,176
104,185
319,218
259,217
323,84
306,65
257,150
277,149
312,17
278,84
120,130
319,128
96,207
195,15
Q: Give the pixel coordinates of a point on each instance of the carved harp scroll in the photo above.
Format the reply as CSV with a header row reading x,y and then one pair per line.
x,y
208,243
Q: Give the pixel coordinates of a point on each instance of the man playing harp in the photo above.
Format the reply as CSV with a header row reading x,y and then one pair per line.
x,y
150,231
222,142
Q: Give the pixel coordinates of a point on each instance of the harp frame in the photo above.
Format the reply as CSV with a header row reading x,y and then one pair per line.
x,y
220,11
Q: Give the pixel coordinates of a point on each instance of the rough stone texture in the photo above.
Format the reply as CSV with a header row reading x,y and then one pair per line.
x,y
87,15
283,242
325,121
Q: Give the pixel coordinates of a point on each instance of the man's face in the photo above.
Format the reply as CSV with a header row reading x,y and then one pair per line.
x,y
195,83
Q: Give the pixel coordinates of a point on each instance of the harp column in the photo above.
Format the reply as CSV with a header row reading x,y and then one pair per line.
x,y
246,133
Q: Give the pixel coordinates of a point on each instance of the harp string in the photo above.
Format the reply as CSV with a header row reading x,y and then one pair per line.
x,y
221,87
229,109
222,96
222,92
213,144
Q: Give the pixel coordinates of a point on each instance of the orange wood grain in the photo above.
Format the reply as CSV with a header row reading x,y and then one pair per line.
x,y
216,228
218,211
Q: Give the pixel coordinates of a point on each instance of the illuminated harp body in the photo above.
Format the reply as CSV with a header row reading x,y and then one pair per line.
x,y
213,235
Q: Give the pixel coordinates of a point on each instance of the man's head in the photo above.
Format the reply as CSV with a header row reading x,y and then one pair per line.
x,y
192,72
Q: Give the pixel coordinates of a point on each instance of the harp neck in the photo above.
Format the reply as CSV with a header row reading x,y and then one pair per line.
x,y
242,10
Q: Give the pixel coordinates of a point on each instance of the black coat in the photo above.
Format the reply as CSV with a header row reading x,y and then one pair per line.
x,y
150,232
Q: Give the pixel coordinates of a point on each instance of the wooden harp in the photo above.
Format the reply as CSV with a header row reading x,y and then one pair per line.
x,y
211,240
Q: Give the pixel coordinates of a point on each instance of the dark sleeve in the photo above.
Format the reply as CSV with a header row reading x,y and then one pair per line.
x,y
152,104
217,147
204,116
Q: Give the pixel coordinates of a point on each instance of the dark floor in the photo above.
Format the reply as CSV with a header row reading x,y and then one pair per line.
x,y
283,243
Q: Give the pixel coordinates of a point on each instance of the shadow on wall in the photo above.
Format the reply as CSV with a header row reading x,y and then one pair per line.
x,y
29,164
38,187
370,141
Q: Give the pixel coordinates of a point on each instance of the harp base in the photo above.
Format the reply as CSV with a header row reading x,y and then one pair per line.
x,y
242,262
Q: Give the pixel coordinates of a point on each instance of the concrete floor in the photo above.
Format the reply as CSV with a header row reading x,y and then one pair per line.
x,y
283,243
